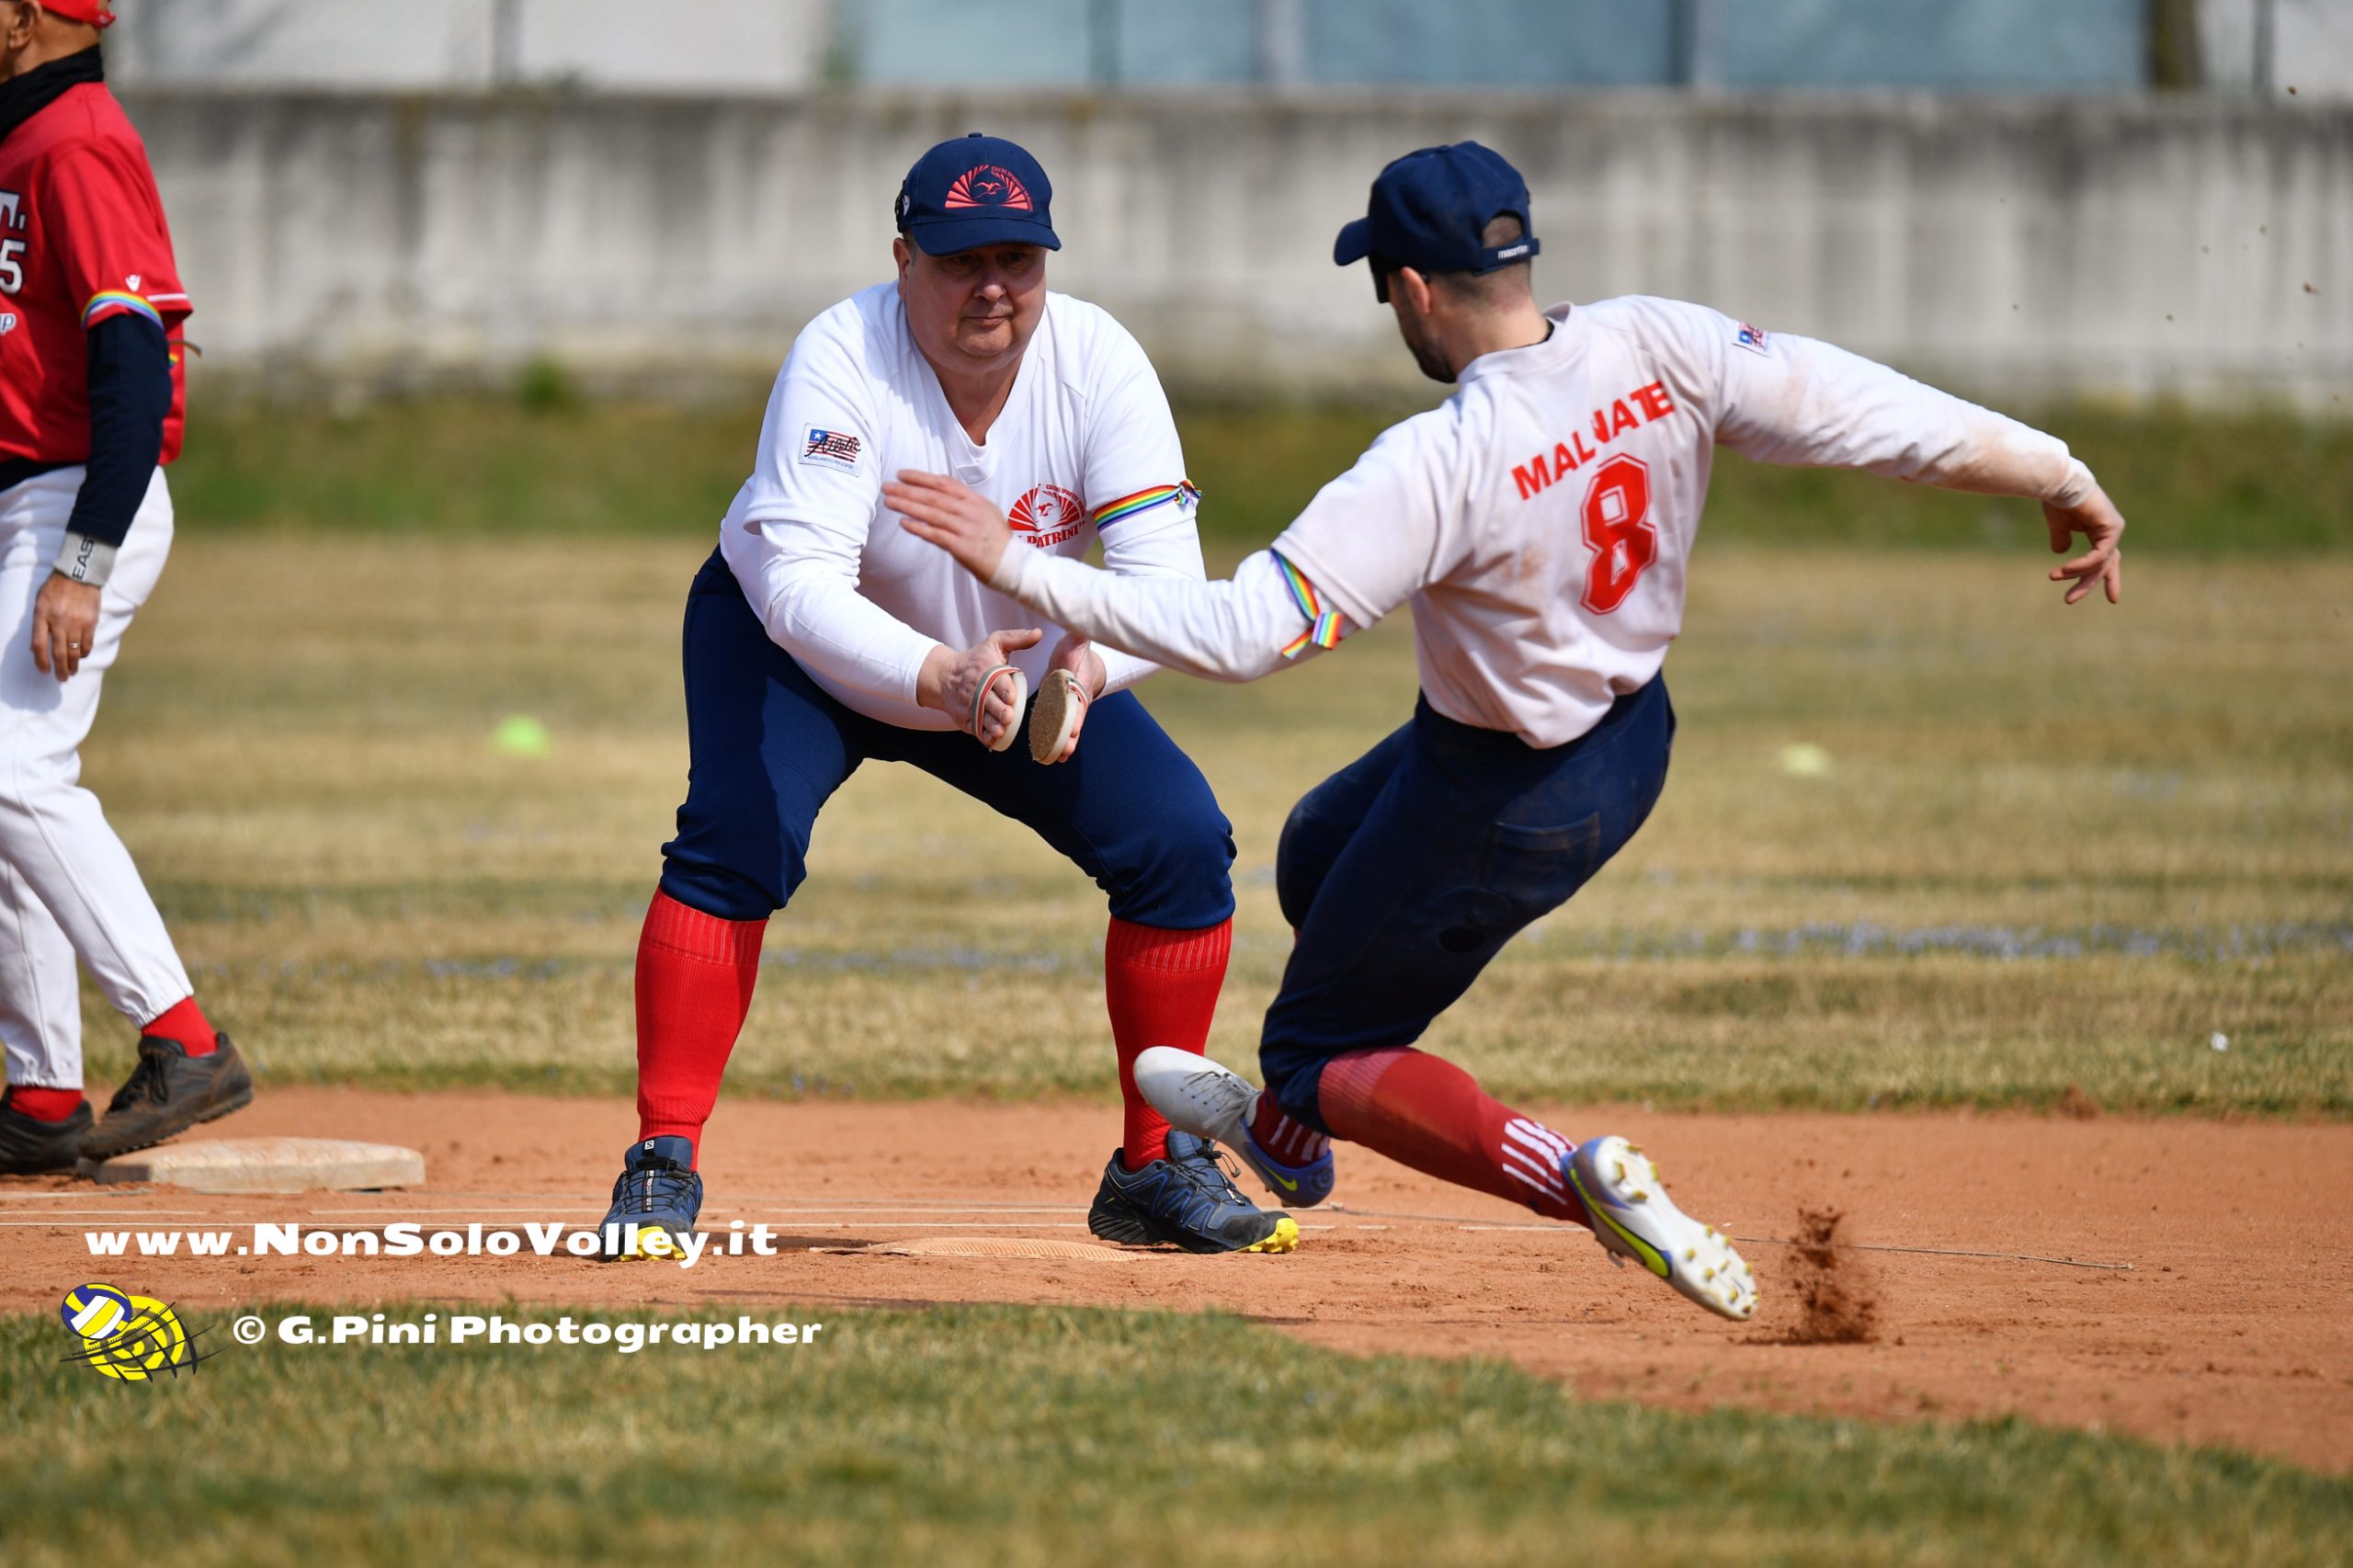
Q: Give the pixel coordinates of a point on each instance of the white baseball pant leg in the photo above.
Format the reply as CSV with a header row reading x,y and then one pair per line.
x,y
68,888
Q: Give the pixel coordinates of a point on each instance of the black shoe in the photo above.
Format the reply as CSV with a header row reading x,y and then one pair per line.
x,y
29,1146
168,1092
658,1195
1187,1200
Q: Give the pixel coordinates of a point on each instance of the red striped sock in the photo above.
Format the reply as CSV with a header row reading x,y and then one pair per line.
x,y
43,1104
185,1023
695,974
1424,1111
1293,1142
1161,988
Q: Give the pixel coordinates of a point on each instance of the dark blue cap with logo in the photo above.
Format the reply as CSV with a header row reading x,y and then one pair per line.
x,y
975,190
1427,211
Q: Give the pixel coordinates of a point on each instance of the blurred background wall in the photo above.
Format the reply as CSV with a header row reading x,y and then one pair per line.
x,y
2128,197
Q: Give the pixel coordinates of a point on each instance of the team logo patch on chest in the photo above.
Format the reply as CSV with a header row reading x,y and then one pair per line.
x,y
829,448
1046,515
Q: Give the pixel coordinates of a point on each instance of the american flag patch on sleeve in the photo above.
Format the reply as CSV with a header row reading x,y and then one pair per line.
x,y
829,448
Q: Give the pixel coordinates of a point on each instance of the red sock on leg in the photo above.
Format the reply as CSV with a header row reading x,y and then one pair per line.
x,y
695,974
43,1104
1424,1111
1161,987
185,1023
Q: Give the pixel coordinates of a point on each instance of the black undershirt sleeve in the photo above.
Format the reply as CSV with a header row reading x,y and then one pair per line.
x,y
131,393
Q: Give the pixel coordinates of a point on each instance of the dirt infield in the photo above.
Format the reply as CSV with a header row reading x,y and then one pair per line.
x,y
2228,1327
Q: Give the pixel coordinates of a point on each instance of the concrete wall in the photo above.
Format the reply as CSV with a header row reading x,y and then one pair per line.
x,y
2133,246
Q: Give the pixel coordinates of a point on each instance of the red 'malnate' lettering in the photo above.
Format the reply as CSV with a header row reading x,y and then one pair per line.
x,y
1609,424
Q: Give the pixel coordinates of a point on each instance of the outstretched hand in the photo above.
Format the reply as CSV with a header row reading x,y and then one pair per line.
x,y
948,514
2099,522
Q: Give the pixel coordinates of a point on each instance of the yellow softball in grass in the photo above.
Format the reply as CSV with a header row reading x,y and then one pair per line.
x,y
96,1312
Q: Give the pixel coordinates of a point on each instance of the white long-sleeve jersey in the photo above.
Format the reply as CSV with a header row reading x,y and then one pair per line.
x,y
1541,519
1085,447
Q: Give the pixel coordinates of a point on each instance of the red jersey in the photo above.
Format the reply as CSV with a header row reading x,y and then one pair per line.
x,y
82,239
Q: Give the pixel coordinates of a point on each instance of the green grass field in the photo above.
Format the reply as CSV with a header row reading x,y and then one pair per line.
x,y
1051,1437
1929,840
2044,847
550,463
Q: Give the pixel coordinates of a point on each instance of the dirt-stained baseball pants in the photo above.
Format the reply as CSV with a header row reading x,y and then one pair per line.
x,y
67,885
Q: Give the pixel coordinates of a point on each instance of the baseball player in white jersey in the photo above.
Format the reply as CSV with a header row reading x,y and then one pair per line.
x,y
1540,522
819,636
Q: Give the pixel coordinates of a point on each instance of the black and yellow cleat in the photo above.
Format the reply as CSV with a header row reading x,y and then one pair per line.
x,y
1187,1200
656,1201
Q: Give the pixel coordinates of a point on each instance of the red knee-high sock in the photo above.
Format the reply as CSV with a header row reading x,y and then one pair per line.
x,y
695,974
1161,987
1424,1111
185,1023
40,1103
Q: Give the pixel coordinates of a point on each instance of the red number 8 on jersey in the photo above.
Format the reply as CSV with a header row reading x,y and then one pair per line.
x,y
1618,526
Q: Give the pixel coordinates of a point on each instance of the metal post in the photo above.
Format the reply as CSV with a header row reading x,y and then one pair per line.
x,y
505,42
1683,42
2174,57
1102,42
1282,42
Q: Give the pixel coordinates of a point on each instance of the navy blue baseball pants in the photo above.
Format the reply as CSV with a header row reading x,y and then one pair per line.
x,y
1408,870
769,747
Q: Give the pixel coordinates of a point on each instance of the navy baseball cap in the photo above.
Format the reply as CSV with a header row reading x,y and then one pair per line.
x,y
1427,211
975,190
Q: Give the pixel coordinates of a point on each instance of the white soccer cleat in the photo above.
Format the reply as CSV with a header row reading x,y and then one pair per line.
x,y
1633,1217
1208,1101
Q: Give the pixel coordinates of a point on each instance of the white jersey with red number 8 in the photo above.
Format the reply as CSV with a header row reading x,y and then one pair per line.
x,y
1541,519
